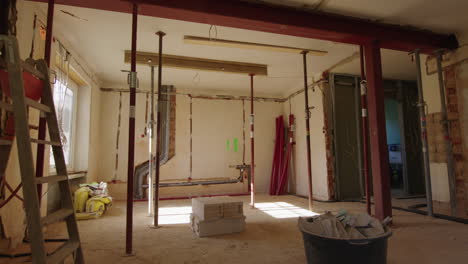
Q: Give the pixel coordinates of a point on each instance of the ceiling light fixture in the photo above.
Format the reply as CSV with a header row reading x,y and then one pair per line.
x,y
248,45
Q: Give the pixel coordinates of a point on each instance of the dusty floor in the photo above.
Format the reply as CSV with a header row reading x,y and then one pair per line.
x,y
271,236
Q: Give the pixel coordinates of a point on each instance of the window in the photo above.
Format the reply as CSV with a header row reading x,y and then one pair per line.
x,y
65,106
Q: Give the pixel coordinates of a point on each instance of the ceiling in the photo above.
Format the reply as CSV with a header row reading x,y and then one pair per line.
x,y
102,36
443,16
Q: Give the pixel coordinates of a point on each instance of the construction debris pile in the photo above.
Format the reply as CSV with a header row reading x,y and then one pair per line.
x,y
343,226
216,216
91,200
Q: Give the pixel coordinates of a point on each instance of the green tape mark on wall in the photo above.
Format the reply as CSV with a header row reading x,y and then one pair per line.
x,y
236,147
228,147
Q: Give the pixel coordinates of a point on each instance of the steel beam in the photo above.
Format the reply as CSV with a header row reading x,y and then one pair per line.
x,y
378,137
281,20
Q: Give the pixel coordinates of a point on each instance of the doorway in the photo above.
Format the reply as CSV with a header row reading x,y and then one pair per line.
x,y
403,137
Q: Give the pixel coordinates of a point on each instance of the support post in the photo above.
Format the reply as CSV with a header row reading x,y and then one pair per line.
x,y
448,140
307,119
4,16
150,143
42,121
422,125
131,134
378,137
365,135
158,132
252,143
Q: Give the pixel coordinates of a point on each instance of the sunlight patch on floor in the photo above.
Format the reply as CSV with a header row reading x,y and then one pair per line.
x,y
283,210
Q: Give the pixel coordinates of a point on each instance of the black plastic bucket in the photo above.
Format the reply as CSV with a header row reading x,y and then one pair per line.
x,y
325,250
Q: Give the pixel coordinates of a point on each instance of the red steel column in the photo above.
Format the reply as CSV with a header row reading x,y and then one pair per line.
x,y
252,144
131,135
307,119
42,121
365,134
378,135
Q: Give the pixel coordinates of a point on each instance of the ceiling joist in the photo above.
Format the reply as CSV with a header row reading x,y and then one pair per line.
x,y
182,62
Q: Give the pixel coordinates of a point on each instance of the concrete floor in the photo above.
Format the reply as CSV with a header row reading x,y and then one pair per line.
x,y
271,236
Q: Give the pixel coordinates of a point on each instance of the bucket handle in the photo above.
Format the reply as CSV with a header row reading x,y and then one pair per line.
x,y
359,242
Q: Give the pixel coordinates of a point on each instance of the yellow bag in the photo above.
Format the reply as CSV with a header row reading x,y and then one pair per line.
x,y
81,196
95,207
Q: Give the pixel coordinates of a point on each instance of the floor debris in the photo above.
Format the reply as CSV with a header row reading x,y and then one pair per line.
x,y
343,225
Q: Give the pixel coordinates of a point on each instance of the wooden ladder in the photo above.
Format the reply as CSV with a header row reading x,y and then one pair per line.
x,y
19,105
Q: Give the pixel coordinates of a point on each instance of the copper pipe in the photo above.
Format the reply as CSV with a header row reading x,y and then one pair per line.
x,y
307,118
365,152
131,135
158,132
42,121
252,143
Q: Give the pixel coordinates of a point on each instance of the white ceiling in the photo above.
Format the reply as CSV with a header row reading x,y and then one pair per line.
x,y
101,38
443,16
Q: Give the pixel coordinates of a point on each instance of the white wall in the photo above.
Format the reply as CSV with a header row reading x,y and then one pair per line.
x,y
317,142
214,122
12,215
439,173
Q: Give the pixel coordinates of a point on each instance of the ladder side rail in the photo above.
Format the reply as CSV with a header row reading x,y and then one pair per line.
x,y
60,164
23,143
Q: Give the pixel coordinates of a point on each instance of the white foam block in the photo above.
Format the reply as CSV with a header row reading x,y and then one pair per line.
x,y
211,208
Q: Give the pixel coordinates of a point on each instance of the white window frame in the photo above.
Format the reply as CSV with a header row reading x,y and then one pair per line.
x,y
70,165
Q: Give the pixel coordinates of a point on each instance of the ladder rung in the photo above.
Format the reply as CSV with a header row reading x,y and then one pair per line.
x,y
5,142
63,252
30,68
45,142
51,179
37,105
56,216
6,106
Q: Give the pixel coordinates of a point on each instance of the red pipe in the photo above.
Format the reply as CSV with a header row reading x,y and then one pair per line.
x,y
274,167
365,152
13,194
284,170
307,113
131,135
42,121
252,143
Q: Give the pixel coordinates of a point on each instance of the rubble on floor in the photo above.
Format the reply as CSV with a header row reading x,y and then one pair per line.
x,y
217,215
343,225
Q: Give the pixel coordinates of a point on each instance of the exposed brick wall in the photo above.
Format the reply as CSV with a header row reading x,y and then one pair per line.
x,y
172,123
455,103
327,130
436,139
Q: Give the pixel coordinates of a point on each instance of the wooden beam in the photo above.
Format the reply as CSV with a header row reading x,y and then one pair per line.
x,y
249,45
183,62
